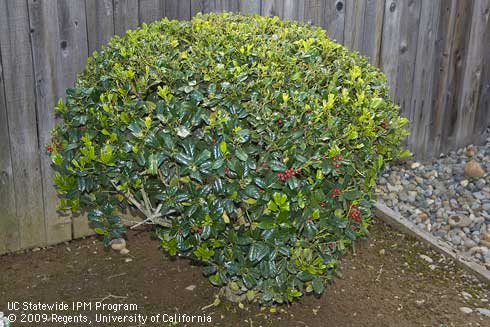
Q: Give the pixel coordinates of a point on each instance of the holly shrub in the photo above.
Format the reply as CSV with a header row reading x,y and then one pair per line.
x,y
252,144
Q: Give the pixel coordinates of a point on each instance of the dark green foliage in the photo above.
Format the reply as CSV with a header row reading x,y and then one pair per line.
x,y
253,144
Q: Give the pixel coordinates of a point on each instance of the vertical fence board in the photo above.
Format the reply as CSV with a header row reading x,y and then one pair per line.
x,y
272,8
20,101
294,10
9,224
126,16
100,23
334,19
420,110
178,9
391,41
151,10
74,43
472,75
447,17
313,12
249,6
43,17
406,52
354,23
482,120
372,30
207,6
456,67
202,6
74,52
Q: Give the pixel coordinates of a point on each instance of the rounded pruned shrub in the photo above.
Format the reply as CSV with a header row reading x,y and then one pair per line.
x,y
252,144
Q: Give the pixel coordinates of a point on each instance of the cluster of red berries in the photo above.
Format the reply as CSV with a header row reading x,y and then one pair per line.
x,y
336,158
336,192
57,145
384,124
287,173
355,213
193,231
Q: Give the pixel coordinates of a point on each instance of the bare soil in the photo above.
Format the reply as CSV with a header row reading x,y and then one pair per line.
x,y
384,283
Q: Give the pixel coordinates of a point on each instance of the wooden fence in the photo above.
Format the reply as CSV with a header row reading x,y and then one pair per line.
x,y
435,53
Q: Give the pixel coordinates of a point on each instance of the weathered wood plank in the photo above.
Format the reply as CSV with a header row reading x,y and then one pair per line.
x,y
395,220
249,6
313,12
423,82
482,117
272,8
100,23
20,100
200,6
372,30
46,54
178,9
354,23
391,41
472,76
9,224
151,10
456,67
333,20
73,40
126,16
74,52
407,52
447,18
294,10
207,6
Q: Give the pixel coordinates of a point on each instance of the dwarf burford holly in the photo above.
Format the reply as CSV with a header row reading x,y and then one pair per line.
x,y
184,124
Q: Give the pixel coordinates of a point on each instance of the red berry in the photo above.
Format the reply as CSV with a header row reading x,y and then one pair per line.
x,y
50,148
261,190
355,213
340,158
337,165
227,170
199,231
279,121
322,204
334,158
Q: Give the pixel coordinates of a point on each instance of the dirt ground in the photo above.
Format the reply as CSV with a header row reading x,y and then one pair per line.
x,y
384,283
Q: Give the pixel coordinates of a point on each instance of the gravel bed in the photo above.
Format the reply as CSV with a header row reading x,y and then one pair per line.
x,y
448,197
